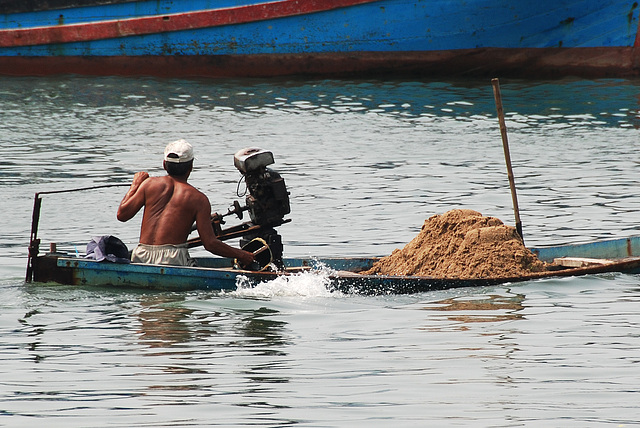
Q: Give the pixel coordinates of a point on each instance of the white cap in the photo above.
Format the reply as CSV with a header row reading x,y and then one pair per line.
x,y
178,152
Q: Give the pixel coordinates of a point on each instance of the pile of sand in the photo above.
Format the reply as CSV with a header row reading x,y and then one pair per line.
x,y
462,244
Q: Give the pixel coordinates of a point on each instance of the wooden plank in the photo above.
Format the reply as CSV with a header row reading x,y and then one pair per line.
x,y
576,262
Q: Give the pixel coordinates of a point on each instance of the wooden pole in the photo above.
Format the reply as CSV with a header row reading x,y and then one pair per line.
x,y
34,243
507,156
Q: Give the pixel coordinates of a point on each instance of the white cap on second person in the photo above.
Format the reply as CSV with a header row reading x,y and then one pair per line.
x,y
178,152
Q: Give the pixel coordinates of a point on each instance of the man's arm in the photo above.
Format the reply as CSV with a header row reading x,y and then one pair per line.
x,y
209,240
134,199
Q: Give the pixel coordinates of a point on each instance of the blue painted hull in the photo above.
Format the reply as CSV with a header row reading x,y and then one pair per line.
x,y
249,38
218,274
609,249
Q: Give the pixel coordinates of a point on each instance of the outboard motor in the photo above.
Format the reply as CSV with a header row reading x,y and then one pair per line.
x,y
267,198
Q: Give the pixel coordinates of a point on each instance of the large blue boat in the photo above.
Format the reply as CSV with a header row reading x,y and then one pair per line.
x,y
251,38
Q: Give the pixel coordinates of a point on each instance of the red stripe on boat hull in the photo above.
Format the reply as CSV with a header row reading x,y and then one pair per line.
x,y
168,23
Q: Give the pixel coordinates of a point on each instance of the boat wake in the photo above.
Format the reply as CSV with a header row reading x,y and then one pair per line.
x,y
314,283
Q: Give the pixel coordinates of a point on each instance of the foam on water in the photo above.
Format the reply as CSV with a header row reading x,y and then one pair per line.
x,y
314,283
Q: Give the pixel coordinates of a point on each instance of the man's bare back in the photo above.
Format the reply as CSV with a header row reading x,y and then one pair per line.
x,y
171,206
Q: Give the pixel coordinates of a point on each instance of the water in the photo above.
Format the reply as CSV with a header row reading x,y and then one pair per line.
x,y
366,163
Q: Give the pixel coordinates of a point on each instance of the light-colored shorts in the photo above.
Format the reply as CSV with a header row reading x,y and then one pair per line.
x,y
176,255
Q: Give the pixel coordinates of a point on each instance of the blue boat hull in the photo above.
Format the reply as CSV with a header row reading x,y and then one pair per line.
x,y
323,37
622,255
609,249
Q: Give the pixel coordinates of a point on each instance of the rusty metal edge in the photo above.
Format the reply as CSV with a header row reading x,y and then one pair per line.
x,y
486,62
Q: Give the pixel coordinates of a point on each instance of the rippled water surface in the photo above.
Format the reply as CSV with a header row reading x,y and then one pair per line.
x,y
366,163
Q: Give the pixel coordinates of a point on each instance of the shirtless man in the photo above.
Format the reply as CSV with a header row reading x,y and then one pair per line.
x,y
171,205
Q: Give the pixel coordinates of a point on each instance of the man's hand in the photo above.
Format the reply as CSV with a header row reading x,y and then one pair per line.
x,y
139,177
245,258
133,201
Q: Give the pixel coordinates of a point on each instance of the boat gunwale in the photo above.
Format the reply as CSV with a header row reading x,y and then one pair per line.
x,y
617,265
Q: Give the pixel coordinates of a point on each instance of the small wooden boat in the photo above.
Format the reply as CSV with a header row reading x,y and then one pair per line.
x,y
213,273
252,38
619,255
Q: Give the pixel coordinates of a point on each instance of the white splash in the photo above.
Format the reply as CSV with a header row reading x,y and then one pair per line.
x,y
314,283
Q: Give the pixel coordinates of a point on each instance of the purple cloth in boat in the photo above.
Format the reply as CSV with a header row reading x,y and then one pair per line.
x,y
107,247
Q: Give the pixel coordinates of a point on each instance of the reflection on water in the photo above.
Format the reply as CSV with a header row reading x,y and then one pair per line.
x,y
34,332
483,354
485,308
193,341
573,102
263,333
164,322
